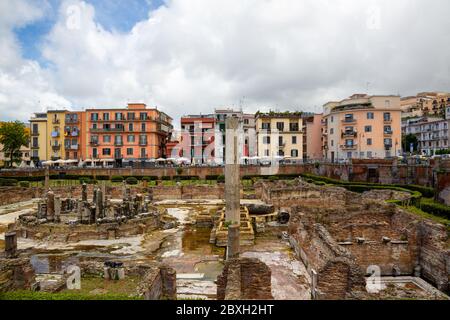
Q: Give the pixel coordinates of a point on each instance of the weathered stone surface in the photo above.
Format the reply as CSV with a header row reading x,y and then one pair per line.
x,y
16,274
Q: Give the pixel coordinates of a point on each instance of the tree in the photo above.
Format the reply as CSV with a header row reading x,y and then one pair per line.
x,y
407,140
13,135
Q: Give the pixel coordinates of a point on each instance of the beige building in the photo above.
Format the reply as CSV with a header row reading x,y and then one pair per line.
x,y
280,134
362,126
425,104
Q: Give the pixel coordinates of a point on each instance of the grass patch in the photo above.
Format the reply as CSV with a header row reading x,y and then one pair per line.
x,y
30,295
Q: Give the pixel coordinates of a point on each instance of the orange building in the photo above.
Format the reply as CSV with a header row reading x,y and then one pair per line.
x,y
134,133
362,126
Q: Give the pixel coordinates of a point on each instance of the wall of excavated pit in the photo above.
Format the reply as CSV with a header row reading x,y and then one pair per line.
x,y
188,192
16,274
80,232
244,279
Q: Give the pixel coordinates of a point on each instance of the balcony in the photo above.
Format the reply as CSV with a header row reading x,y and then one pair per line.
x,y
387,120
56,147
349,134
34,134
349,120
55,121
118,156
55,134
387,147
142,143
72,121
282,145
349,146
94,143
107,130
72,147
388,132
35,146
118,143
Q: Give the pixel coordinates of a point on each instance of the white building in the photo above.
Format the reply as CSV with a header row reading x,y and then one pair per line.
x,y
432,133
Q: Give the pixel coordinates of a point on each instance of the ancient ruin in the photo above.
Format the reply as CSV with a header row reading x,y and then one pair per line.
x,y
271,239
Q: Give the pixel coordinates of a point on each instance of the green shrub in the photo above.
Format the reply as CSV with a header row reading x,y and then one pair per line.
x,y
24,184
212,177
8,182
166,178
117,179
435,208
131,180
148,179
221,178
274,178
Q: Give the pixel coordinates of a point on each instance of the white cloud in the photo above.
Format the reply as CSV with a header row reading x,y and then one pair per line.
x,y
24,85
192,56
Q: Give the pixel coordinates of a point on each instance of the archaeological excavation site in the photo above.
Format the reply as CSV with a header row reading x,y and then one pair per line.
x,y
267,239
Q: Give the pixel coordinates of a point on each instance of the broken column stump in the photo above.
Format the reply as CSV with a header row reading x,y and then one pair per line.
x,y
11,245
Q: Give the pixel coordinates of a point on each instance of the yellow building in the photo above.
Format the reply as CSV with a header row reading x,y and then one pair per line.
x,y
280,134
425,103
55,134
39,137
362,126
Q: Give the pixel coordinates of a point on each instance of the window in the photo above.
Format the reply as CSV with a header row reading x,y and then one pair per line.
x,y
94,126
143,153
94,139
107,139
94,153
118,116
266,153
370,115
280,140
332,143
387,103
349,117
368,129
130,116
294,153
129,151
106,116
265,125
293,126
369,154
143,116
387,129
331,130
35,128
294,139
266,140
387,116
349,155
94,116
118,140
388,142
332,119
130,138
130,127
246,121
106,151
35,143
369,141
280,126
349,143
143,127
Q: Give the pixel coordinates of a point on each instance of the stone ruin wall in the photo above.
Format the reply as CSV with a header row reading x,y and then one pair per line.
x,y
16,274
188,192
75,233
244,279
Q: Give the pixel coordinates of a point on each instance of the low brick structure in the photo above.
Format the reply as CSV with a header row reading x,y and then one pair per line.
x,y
16,274
244,279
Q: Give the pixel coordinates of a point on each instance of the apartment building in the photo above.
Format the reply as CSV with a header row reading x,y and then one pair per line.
x,y
246,133
312,137
425,104
197,138
362,126
55,127
279,134
39,137
123,136
432,134
75,145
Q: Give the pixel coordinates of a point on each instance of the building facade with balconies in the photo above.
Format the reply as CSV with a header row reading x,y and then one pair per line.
x,y
135,133
279,134
362,126
75,136
39,137
55,130
197,138
246,134
432,134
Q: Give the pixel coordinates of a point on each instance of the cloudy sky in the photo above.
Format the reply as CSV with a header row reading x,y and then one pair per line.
x,y
190,56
